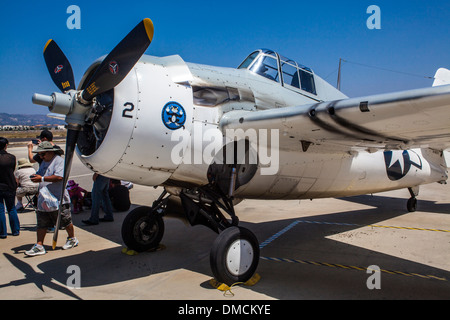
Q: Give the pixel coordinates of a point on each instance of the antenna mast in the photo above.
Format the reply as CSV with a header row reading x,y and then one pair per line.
x,y
339,75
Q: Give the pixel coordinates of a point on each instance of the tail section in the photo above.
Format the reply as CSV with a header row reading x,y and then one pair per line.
x,y
442,77
446,158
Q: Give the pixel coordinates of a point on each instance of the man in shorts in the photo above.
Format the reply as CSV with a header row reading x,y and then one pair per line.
x,y
50,175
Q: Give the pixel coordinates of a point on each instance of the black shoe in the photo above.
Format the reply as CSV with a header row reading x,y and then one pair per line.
x,y
89,222
106,220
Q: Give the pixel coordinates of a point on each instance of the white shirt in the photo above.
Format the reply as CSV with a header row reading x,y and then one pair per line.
x,y
23,176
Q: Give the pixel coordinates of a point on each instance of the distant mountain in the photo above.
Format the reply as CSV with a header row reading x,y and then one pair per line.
x,y
27,120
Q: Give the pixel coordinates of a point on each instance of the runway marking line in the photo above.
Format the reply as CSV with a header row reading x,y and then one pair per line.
x,y
335,265
371,225
293,224
278,234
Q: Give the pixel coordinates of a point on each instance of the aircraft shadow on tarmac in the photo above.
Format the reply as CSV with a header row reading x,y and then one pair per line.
x,y
279,280
384,202
40,280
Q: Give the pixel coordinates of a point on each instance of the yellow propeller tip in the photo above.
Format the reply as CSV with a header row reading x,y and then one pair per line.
x,y
46,45
148,24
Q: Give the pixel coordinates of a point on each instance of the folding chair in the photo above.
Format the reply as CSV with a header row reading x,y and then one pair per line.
x,y
31,201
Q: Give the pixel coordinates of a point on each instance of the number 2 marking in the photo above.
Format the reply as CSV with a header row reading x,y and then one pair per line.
x,y
129,109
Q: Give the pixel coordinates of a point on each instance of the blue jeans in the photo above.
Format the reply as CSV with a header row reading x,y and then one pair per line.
x,y
100,197
7,198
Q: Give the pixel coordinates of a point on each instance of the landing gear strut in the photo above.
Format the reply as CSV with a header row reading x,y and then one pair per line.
x,y
234,255
411,205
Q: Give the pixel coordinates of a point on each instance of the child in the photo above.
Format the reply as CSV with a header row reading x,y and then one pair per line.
x,y
76,194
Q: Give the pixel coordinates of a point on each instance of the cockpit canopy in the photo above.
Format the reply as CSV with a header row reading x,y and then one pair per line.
x,y
271,65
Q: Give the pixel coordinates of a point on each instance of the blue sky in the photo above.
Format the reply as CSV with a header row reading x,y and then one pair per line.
x,y
414,38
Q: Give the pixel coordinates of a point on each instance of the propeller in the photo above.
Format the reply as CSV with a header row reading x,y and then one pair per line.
x,y
120,61
76,105
58,66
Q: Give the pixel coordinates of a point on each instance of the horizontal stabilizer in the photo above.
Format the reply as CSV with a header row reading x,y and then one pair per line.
x,y
442,77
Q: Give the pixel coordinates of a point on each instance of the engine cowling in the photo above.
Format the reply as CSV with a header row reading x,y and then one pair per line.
x,y
129,134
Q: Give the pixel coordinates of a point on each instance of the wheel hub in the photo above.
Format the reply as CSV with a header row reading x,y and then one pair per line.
x,y
239,257
144,231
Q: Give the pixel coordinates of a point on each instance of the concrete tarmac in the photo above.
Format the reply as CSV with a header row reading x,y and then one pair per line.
x,y
318,249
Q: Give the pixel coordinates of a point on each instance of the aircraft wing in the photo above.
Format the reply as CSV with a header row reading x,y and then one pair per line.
x,y
400,120
56,116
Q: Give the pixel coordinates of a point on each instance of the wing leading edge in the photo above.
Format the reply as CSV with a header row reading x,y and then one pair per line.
x,y
409,119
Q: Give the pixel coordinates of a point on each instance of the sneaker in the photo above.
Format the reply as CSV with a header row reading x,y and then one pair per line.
x,y
89,222
37,250
71,242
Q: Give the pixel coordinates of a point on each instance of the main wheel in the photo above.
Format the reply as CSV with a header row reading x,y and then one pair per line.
x,y
142,230
234,255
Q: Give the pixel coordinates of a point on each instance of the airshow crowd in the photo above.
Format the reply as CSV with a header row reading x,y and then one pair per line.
x,y
22,185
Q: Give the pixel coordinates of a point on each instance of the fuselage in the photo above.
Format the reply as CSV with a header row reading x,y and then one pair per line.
x,y
164,130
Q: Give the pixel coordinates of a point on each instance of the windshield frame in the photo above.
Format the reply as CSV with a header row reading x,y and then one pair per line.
x,y
255,62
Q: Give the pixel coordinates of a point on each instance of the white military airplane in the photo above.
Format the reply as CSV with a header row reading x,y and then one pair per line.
x,y
202,133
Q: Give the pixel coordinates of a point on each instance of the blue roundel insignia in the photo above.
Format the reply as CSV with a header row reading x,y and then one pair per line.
x,y
173,115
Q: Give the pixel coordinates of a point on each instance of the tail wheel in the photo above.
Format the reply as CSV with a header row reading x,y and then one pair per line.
x,y
142,229
234,255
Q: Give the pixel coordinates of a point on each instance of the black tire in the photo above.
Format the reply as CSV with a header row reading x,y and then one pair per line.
x,y
412,204
142,230
237,268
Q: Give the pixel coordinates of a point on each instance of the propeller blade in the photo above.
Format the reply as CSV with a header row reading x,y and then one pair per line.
x,y
71,141
59,67
116,66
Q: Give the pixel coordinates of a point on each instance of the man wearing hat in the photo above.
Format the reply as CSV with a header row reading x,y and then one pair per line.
x,y
24,184
50,175
46,135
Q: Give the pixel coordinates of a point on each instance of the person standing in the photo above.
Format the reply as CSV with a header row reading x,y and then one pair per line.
x,y
8,186
119,195
100,197
50,175
46,135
